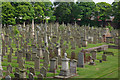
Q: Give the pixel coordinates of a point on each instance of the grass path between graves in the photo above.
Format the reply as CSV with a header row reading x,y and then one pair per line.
x,y
106,69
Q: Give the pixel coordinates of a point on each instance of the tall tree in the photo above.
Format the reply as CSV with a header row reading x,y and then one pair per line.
x,y
86,11
8,13
104,11
24,11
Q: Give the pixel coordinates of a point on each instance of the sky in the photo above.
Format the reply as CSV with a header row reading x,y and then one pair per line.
x,y
108,1
96,1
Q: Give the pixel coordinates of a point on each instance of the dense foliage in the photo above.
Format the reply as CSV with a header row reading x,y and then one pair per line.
x,y
67,12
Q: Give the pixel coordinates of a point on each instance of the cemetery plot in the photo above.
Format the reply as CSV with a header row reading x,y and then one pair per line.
x,y
59,52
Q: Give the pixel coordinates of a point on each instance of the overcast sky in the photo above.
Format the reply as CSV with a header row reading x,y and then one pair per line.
x,y
108,1
96,1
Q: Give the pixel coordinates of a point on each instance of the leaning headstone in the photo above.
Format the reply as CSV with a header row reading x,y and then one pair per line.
x,y
17,75
31,77
81,59
53,65
32,70
7,77
40,76
9,68
17,70
43,71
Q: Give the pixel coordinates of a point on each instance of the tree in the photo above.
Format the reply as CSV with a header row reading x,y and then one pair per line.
x,y
63,11
86,11
25,11
8,13
104,11
116,11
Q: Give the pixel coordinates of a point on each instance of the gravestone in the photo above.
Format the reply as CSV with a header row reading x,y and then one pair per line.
x,y
94,54
81,59
37,63
104,57
17,70
31,76
21,63
43,71
28,56
40,76
8,77
72,55
34,54
9,58
73,66
17,75
59,60
32,70
53,65
65,66
9,68
22,74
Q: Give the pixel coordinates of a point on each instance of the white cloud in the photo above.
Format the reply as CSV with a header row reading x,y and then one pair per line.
x,y
107,1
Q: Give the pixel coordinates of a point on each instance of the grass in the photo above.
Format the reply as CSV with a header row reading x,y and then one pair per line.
x,y
106,69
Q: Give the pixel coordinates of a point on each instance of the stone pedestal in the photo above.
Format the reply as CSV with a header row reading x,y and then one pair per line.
x,y
65,67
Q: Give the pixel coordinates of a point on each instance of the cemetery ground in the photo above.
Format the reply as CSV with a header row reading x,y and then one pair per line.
x,y
106,69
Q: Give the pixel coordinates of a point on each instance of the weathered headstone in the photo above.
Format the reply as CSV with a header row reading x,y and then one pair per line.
x,y
81,59
73,66
9,68
31,76
53,65
32,70
43,71
37,63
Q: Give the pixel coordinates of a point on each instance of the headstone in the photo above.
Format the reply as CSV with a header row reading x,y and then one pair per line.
x,y
40,76
9,68
94,54
37,63
65,66
72,55
22,74
59,60
17,75
31,77
34,56
32,70
53,65
104,57
28,56
9,58
17,70
7,77
73,66
43,71
81,59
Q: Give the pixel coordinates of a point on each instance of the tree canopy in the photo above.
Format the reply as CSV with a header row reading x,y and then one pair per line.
x,y
67,12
